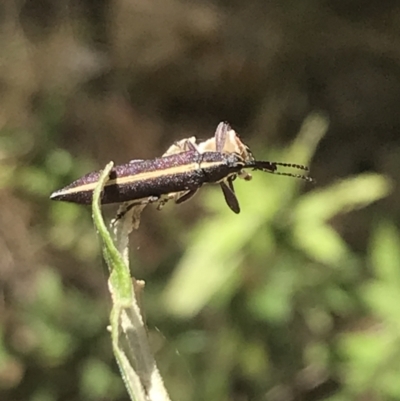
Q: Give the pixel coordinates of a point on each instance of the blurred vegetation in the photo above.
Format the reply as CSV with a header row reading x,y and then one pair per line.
x,y
293,299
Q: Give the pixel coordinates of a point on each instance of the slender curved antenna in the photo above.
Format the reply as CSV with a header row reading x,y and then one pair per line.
x,y
272,167
298,166
269,167
299,176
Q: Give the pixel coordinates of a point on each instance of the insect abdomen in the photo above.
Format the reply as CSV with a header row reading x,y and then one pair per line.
x,y
138,179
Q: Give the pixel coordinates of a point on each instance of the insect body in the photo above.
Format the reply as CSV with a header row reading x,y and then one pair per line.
x,y
178,174
141,179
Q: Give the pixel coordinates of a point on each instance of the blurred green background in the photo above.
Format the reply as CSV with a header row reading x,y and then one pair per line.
x,y
294,299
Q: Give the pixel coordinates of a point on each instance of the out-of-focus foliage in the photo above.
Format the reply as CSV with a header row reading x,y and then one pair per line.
x,y
277,265
295,299
372,355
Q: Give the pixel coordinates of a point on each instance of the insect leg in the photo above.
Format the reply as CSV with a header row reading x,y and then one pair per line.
x,y
127,206
184,196
183,145
229,195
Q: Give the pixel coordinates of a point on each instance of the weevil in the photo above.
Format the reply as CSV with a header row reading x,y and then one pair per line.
x,y
178,174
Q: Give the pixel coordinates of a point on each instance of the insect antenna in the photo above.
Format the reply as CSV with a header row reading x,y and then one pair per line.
x,y
299,176
272,167
291,165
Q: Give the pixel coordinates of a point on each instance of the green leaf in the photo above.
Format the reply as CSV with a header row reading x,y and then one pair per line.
x,y
385,253
321,243
352,193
